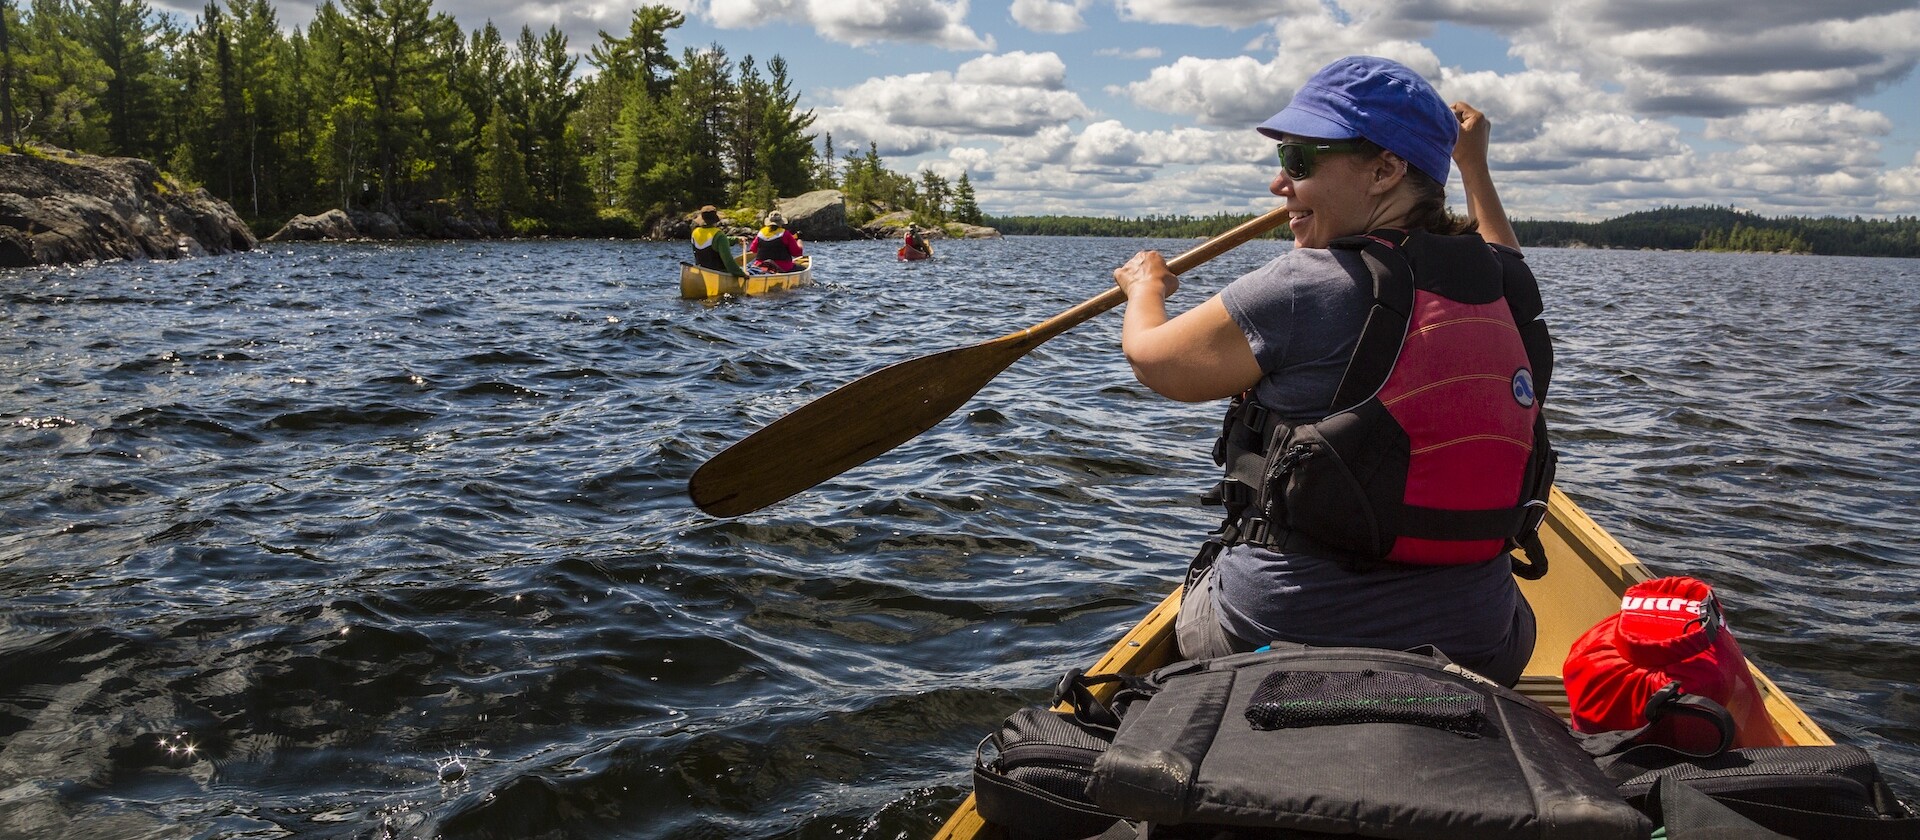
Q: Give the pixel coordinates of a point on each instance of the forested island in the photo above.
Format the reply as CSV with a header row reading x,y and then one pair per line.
x,y
387,105
1667,228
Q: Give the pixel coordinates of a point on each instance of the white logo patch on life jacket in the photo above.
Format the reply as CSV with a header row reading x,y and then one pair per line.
x,y
1523,387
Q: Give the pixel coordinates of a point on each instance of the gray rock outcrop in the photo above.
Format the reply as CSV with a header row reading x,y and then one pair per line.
x,y
965,231
894,225
333,224
59,207
428,220
817,216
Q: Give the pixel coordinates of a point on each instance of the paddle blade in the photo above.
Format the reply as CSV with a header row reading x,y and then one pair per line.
x,y
845,428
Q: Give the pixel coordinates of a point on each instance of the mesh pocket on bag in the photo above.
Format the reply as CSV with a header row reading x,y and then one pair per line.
x,y
1292,699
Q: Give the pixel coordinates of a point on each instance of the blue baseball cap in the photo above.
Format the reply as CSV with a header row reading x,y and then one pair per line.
x,y
1380,100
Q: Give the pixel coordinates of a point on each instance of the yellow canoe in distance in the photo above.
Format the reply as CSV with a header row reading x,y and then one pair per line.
x,y
697,283
1587,573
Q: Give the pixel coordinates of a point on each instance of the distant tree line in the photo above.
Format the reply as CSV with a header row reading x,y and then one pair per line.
x,y
1167,226
1728,229
1669,228
386,104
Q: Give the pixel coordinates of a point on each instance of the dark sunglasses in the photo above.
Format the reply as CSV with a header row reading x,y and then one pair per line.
x,y
1296,158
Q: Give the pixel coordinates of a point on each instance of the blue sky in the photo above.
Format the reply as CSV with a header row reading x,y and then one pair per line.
x,y
1135,107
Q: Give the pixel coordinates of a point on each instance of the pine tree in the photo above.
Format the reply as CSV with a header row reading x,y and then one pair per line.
x,y
9,125
642,56
638,59
965,209
933,195
555,172
502,188
391,48
60,81
481,79
124,35
826,174
783,147
702,95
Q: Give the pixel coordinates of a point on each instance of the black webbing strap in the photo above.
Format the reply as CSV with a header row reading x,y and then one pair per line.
x,y
1669,700
1438,524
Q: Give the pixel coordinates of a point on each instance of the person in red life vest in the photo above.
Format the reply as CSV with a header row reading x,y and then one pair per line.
x,y
914,244
775,247
1372,495
711,248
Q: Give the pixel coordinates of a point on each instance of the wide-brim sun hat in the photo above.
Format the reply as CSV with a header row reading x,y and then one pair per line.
x,y
1379,99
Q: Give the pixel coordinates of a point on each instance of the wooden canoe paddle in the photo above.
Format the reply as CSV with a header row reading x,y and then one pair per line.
x,y
852,424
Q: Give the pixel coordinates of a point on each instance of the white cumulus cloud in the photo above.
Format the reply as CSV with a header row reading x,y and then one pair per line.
x,y
1052,16
860,22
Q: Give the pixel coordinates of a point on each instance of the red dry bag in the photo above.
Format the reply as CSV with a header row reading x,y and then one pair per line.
x,y
1669,630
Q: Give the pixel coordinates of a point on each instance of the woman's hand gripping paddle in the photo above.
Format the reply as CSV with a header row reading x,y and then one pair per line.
x,y
854,423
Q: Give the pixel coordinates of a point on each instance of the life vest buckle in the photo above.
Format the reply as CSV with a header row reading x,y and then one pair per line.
x,y
1254,530
1253,415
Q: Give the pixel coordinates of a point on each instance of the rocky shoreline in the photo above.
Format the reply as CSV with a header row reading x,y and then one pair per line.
x,y
818,216
59,207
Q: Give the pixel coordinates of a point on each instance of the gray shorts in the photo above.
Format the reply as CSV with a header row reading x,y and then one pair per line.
x,y
1199,635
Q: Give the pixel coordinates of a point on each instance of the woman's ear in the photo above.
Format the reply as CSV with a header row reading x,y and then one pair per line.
x,y
1389,170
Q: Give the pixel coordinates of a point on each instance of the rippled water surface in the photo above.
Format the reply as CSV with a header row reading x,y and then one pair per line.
x,y
394,539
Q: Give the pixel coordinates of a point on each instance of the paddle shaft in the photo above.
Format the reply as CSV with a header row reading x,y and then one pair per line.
x,y
858,421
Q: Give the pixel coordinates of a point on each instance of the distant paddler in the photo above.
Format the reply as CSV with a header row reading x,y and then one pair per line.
x,y
914,246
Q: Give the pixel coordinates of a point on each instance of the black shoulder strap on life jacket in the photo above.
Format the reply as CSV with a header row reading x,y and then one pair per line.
x,y
1386,326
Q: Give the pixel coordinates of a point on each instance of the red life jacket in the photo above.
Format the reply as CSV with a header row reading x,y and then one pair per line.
x,y
1668,630
1434,450
774,248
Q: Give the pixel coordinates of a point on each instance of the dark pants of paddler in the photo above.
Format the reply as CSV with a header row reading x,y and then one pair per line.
x,y
1199,635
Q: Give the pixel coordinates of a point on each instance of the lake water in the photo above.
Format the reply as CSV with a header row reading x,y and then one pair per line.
x,y
394,536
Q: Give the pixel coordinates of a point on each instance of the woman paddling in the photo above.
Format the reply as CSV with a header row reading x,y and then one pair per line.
x,y
1396,537
775,248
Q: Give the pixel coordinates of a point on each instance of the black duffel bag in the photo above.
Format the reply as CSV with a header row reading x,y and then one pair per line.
x,y
1354,742
1803,792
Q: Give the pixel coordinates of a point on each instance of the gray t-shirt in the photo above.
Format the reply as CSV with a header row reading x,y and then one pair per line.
x,y
1302,314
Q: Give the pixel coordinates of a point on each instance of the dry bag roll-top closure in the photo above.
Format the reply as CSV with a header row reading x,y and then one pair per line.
x,y
1435,450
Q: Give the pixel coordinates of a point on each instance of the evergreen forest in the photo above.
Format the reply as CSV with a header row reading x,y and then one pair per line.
x,y
387,104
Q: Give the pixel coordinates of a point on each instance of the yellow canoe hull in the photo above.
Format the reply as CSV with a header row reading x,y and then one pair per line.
x,y
698,283
1587,573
